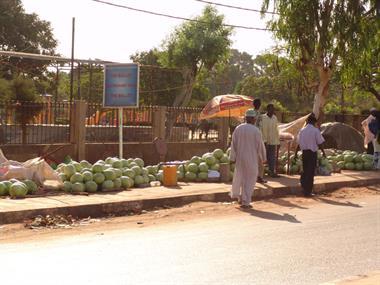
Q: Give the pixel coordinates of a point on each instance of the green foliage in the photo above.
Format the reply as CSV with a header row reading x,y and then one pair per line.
x,y
158,85
275,78
196,45
361,68
319,35
23,32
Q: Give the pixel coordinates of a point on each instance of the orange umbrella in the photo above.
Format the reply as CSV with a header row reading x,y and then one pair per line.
x,y
229,105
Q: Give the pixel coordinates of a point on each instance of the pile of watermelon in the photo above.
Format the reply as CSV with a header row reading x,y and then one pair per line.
x,y
17,189
198,167
335,161
110,174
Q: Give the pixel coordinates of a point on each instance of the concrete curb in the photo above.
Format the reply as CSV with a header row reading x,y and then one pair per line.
x,y
123,207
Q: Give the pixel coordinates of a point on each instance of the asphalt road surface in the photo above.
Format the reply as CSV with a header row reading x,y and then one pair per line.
x,y
284,241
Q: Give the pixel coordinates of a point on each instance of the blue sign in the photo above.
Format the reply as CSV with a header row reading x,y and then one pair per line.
x,y
121,85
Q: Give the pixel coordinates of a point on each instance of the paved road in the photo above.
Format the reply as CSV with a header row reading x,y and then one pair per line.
x,y
307,244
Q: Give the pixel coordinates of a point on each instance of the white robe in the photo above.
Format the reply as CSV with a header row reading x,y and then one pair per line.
x,y
247,149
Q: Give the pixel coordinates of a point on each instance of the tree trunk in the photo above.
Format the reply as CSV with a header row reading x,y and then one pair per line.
x,y
374,92
182,100
322,91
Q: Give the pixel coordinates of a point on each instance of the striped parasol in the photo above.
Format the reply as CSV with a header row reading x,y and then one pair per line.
x,y
229,105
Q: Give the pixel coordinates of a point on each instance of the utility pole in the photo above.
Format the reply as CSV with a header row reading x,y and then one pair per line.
x,y
72,61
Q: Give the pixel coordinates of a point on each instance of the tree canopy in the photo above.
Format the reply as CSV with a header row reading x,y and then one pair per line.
x,y
194,46
319,34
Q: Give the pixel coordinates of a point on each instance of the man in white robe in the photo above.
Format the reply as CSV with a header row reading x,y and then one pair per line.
x,y
247,149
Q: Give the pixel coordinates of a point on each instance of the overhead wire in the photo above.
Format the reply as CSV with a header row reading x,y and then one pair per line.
x,y
175,17
237,7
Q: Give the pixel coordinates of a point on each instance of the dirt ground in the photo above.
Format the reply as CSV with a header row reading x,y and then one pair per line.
x,y
15,233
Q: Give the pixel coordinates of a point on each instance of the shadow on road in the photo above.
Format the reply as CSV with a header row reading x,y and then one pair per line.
x,y
336,203
271,216
287,204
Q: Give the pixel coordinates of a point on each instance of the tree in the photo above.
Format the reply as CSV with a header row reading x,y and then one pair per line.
x,y
319,34
194,46
23,32
158,85
275,78
363,69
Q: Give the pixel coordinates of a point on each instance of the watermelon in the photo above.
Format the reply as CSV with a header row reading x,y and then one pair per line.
x,y
97,168
117,164
91,186
69,170
18,190
137,170
151,177
87,176
349,165
118,172
99,178
117,183
129,172
215,167
196,160
348,158
139,180
107,185
218,153
190,176
3,189
224,159
203,176
32,187
67,186
359,166
368,165
85,164
62,176
210,160
78,187
139,162
109,174
192,167
203,167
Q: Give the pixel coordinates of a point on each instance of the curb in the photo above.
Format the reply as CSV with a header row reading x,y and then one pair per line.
x,y
123,207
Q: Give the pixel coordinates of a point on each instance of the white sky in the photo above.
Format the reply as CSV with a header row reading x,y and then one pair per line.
x,y
113,34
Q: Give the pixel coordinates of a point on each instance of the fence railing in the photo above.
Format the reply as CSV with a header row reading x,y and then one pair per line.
x,y
49,123
102,124
184,124
34,123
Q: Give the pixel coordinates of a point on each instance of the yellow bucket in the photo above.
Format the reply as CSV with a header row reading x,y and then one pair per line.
x,y
170,175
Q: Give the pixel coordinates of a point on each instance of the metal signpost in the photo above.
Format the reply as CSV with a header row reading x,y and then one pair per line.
x,y
121,90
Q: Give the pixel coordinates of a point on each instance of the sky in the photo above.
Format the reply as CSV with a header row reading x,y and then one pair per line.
x,y
113,34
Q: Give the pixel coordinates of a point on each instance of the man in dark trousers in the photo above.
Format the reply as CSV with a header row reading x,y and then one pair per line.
x,y
257,106
309,140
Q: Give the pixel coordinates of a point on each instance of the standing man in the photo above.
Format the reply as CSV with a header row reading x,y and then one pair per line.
x,y
271,138
257,106
247,149
309,140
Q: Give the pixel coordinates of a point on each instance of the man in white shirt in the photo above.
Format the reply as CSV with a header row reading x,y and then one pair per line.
x,y
271,138
309,140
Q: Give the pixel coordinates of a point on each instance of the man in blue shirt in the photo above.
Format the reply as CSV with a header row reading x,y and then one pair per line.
x,y
309,140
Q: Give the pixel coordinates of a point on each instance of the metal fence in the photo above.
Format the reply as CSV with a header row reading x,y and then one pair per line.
x,y
185,125
34,123
102,124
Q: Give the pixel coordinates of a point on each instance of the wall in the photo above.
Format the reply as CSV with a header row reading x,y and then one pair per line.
x,y
96,151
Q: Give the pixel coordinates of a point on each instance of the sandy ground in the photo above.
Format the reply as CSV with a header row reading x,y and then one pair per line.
x,y
15,233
